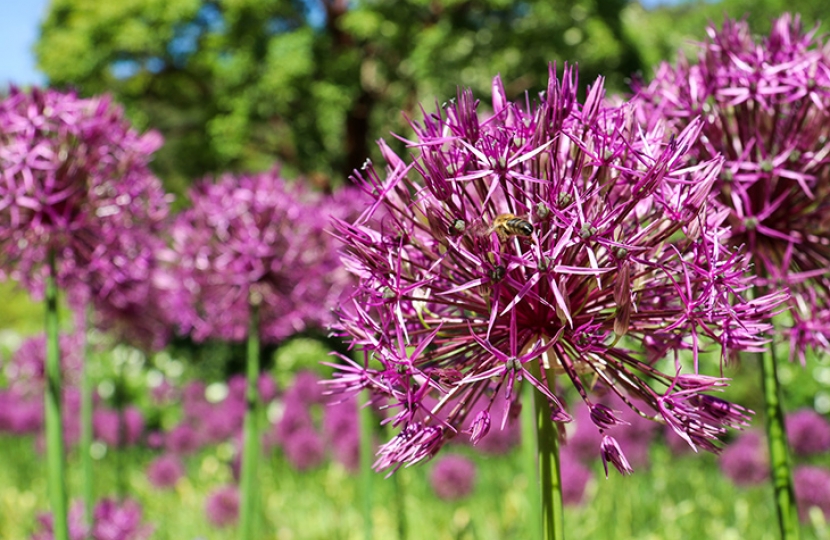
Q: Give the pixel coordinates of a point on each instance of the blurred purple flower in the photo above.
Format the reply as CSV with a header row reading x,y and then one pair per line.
x,y
306,388
764,107
182,440
267,387
304,449
808,432
295,416
524,245
25,370
575,478
222,506
165,471
812,488
745,460
75,180
118,428
341,428
255,233
111,521
453,477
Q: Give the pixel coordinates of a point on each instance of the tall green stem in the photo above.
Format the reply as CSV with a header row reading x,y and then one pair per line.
x,y
780,466
553,514
250,451
86,426
366,457
52,402
530,457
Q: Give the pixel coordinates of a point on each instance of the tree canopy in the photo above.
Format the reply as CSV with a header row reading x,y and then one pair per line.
x,y
238,84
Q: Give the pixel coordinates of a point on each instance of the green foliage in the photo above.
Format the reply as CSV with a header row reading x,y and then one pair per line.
x,y
236,84
660,33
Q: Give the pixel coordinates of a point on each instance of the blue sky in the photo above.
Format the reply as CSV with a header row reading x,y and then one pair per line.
x,y
19,30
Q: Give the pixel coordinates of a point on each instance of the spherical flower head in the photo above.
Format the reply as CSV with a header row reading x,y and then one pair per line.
x,y
163,472
118,428
74,181
182,440
453,477
547,239
812,489
111,520
26,368
745,460
304,449
575,478
222,506
255,238
114,520
808,432
765,106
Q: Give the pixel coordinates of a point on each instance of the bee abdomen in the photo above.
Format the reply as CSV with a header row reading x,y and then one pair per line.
x,y
520,227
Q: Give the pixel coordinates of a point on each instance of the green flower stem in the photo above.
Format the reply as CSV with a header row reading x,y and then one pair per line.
x,y
366,457
250,450
530,458
553,514
400,503
780,465
86,427
52,401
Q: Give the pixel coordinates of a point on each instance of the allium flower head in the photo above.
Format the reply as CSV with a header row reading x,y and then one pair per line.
x,y
74,180
111,520
745,461
453,477
256,234
165,471
812,488
222,506
547,239
765,106
808,432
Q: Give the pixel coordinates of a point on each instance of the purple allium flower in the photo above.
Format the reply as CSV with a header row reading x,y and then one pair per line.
x,y
295,416
25,371
341,428
76,182
222,506
111,521
118,428
165,471
256,234
304,449
745,461
119,521
453,477
765,106
812,488
575,478
306,388
808,432
182,440
547,239
267,387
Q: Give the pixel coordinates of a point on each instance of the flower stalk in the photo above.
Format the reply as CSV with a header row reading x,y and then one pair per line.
x,y
530,458
85,444
547,436
779,454
366,459
250,449
55,454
